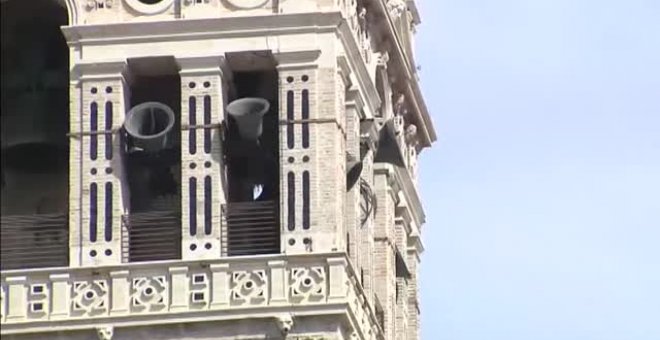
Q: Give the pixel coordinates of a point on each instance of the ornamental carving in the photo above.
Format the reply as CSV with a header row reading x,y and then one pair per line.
x,y
92,5
149,293
308,284
396,8
249,287
90,297
400,108
105,333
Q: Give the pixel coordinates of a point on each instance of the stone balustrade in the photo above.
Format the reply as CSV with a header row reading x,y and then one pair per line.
x,y
61,299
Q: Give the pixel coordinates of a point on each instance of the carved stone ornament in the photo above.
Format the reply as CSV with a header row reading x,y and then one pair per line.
x,y
308,283
92,5
190,2
400,105
248,4
90,297
396,8
411,134
149,293
285,323
249,287
383,58
105,333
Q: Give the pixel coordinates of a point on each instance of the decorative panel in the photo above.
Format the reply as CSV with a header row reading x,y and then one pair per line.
x,y
99,240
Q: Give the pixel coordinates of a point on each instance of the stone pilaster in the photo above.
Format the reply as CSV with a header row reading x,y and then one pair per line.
x,y
203,99
97,200
312,159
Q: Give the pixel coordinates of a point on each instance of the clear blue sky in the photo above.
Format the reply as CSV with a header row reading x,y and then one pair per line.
x,y
542,193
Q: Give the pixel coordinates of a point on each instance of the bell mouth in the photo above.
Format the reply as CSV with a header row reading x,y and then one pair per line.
x,y
149,120
35,158
248,106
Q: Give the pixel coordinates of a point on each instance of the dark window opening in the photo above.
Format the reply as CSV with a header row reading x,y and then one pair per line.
x,y
153,163
252,158
34,120
152,160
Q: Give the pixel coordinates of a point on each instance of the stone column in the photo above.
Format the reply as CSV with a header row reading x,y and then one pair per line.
x,y
96,193
384,261
203,99
312,156
16,293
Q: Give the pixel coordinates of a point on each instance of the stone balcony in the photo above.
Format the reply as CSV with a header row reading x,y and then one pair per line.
x,y
169,292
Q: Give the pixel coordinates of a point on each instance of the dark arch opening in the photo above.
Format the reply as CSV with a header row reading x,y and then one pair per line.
x,y
34,122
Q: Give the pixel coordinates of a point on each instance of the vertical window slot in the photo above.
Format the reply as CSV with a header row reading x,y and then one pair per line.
x,y
289,117
306,203
207,121
108,128
291,200
192,188
208,204
305,117
93,213
108,211
93,127
192,120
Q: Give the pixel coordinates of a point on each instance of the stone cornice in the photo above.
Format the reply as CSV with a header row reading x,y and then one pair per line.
x,y
354,59
412,6
412,90
192,29
234,27
110,69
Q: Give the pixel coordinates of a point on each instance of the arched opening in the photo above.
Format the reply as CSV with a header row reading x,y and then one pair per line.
x,y
34,123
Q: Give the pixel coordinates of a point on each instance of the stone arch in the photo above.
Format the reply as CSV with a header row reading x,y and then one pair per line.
x,y
71,7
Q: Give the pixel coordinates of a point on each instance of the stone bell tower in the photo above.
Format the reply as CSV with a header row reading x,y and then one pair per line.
x,y
225,169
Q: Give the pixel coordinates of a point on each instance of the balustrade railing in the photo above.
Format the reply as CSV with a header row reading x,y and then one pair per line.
x,y
58,299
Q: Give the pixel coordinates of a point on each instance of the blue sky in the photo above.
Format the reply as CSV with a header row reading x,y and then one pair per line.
x,y
542,193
